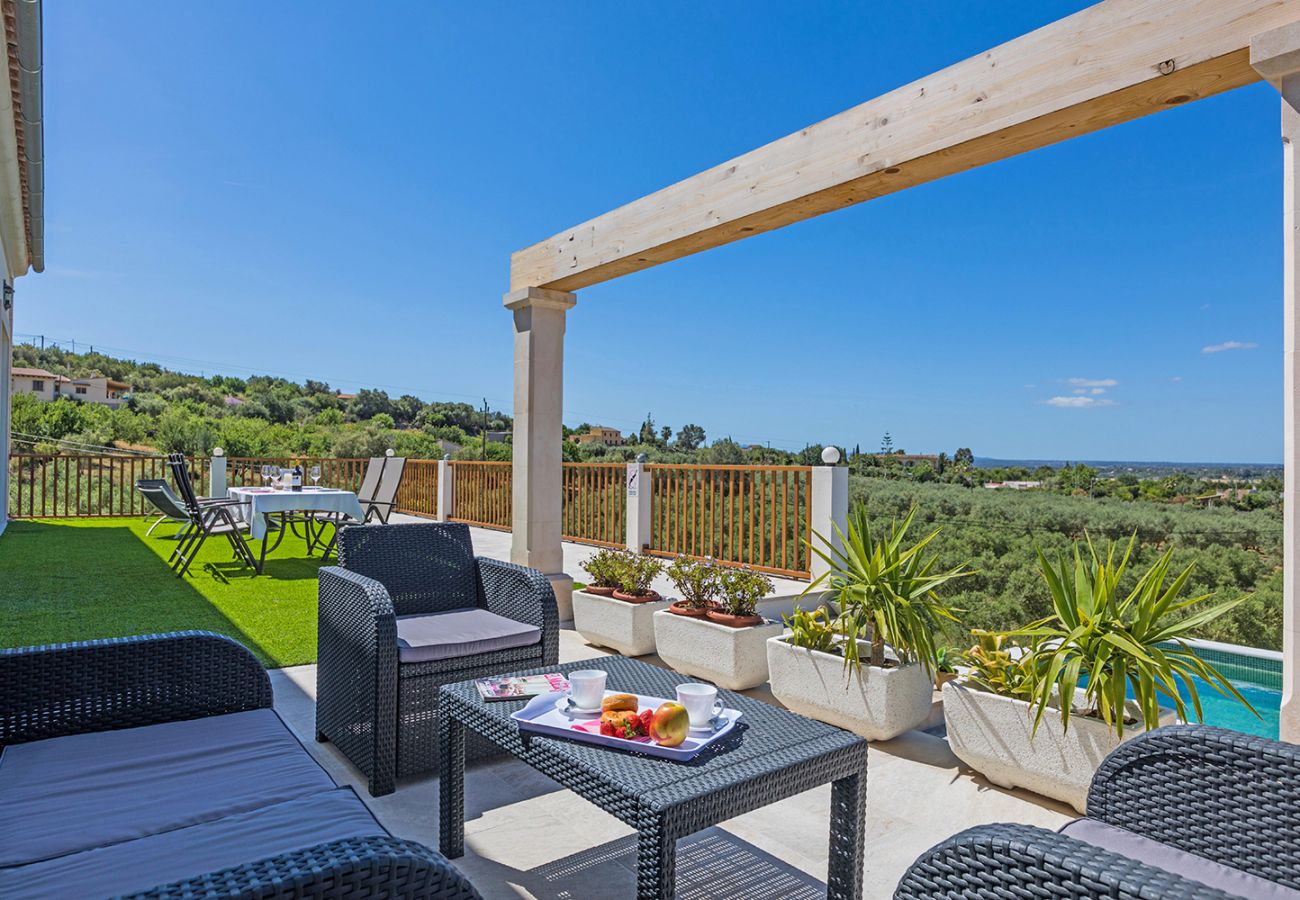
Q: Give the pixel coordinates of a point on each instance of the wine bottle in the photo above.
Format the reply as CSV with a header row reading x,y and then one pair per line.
x,y
297,478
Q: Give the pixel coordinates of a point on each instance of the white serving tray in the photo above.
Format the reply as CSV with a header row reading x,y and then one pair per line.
x,y
544,715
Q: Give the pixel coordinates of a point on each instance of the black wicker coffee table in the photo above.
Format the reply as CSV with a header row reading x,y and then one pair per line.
x,y
771,755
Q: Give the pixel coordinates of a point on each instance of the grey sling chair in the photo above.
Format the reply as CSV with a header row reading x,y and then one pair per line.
x,y
207,518
377,495
165,503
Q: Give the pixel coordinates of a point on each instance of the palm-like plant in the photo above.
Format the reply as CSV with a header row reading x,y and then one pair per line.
x,y
1114,641
885,592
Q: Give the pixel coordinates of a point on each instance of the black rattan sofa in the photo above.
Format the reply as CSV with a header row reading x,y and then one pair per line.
x,y
1187,811
154,766
408,609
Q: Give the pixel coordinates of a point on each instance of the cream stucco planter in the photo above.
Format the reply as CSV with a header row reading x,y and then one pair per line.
x,y
994,736
731,658
877,703
626,627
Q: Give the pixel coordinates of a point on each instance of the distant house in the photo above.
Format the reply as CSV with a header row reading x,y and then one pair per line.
x,y
1012,485
95,389
48,386
599,434
498,437
37,382
346,397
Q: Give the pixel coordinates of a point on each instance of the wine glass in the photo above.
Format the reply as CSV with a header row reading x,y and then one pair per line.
x,y
277,477
266,475
315,476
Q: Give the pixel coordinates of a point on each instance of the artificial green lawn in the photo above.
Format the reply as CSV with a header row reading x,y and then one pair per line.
x,y
75,579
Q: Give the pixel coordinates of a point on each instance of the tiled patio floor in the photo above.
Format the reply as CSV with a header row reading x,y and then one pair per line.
x,y
528,837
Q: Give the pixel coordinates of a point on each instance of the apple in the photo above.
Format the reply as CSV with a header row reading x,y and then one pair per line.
x,y
669,724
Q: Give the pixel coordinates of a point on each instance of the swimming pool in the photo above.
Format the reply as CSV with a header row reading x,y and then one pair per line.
x,y
1257,674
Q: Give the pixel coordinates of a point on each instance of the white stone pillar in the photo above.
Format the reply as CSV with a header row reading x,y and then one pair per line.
x,y
1276,56
828,508
446,489
539,317
638,505
217,473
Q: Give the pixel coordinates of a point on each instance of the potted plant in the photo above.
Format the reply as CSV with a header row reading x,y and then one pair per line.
x,y
730,655
607,619
1093,673
698,582
946,668
870,667
741,590
605,569
635,577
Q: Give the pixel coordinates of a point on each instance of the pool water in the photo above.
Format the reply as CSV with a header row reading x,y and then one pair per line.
x,y
1226,712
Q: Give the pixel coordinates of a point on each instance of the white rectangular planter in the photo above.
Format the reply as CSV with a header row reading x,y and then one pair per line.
x,y
994,736
876,703
731,658
626,627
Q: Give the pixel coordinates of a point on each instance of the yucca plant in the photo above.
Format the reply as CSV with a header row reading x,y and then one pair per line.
x,y
1114,641
885,591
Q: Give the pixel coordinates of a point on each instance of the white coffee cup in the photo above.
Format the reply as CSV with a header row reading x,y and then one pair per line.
x,y
701,702
587,688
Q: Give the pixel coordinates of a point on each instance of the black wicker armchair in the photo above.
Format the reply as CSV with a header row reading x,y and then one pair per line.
x,y
408,609
148,766
1188,811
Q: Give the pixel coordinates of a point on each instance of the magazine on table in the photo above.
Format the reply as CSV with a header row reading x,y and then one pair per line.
x,y
521,687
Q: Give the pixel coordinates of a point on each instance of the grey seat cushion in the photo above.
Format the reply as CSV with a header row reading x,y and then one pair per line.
x,y
199,849
1179,862
460,632
72,793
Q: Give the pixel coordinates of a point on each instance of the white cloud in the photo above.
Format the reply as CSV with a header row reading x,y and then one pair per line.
x,y
1229,345
1096,391
1077,402
1176,378
1092,382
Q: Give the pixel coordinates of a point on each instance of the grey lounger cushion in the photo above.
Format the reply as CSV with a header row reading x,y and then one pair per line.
x,y
460,632
197,850
1179,862
90,790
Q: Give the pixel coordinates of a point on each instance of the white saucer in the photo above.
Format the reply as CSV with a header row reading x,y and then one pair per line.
x,y
714,725
565,705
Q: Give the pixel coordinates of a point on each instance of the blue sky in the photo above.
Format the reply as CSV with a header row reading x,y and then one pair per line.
x,y
313,190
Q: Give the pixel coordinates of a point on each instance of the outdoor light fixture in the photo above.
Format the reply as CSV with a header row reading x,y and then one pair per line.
x,y
8,296
831,455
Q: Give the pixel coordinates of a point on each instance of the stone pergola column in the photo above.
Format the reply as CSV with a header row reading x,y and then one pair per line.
x,y
539,435
1276,56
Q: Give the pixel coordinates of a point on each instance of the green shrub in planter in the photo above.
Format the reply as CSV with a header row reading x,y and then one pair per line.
x,y
638,573
698,580
606,567
1113,641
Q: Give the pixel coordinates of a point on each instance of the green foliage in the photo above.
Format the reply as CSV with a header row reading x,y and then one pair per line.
x,y
811,629
606,567
638,573
742,588
1236,552
885,592
698,580
992,665
1113,639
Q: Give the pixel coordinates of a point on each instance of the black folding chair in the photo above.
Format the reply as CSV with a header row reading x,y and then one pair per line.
x,y
207,517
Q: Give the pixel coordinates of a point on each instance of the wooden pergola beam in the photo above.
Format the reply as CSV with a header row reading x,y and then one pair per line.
x,y
1110,63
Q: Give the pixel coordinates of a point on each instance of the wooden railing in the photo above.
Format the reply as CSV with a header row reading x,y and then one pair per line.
x,y
52,486
594,508
336,472
418,493
739,515
481,493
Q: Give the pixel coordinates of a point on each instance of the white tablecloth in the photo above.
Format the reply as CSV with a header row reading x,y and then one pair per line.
x,y
255,502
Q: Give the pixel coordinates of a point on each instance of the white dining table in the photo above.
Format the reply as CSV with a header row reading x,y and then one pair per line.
x,y
256,503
